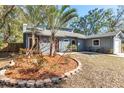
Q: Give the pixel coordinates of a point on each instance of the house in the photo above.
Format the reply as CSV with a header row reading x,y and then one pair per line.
x,y
110,42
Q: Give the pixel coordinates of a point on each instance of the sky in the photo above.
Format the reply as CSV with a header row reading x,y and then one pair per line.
x,y
83,9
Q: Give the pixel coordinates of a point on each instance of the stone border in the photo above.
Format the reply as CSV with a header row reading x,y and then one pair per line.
x,y
37,83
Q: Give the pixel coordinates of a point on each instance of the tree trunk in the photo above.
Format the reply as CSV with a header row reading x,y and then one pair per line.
x,y
30,51
52,44
33,40
7,34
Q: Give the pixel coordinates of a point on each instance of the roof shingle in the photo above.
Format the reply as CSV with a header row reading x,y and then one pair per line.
x,y
62,33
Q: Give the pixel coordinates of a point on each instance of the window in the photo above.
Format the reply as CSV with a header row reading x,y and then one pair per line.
x,y
96,42
66,40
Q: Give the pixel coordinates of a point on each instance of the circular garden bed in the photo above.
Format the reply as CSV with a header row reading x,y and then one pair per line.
x,y
36,69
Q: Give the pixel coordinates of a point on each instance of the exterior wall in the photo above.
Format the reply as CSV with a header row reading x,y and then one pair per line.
x,y
106,44
43,42
80,45
44,45
64,44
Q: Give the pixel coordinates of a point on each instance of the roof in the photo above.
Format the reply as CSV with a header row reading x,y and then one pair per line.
x,y
107,34
63,33
60,33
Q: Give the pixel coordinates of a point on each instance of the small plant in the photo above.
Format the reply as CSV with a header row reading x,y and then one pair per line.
x,y
72,47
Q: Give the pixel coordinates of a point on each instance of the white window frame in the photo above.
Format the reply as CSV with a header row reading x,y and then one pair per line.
x,y
93,43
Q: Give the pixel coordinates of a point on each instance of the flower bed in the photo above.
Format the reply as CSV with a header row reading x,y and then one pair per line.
x,y
40,68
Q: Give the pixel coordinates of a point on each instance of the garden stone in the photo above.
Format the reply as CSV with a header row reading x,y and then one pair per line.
x,y
55,80
47,81
2,79
30,83
48,85
13,82
7,81
21,83
39,83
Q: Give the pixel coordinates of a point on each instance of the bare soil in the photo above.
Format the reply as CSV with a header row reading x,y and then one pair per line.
x,y
98,71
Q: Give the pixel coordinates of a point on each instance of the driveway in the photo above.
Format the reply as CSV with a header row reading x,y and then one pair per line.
x,y
98,70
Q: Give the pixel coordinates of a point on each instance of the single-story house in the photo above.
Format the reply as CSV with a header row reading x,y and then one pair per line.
x,y
110,42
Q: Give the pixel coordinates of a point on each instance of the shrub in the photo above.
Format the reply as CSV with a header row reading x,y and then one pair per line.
x,y
73,47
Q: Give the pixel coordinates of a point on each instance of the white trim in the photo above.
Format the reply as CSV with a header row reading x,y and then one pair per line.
x,y
118,33
93,43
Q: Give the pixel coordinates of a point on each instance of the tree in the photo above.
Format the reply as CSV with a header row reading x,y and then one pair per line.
x,y
92,23
4,12
57,17
99,20
32,15
10,25
116,21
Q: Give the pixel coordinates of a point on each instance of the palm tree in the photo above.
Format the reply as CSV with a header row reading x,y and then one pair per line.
x,y
32,16
56,18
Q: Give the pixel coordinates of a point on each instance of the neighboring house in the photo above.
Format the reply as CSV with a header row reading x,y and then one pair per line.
x,y
110,42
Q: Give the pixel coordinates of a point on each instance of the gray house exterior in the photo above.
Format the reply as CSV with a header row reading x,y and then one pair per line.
x,y
110,42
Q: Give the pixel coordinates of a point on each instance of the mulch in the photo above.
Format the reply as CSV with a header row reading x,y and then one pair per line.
x,y
26,69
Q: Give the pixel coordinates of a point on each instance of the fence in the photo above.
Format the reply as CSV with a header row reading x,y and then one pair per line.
x,y
12,47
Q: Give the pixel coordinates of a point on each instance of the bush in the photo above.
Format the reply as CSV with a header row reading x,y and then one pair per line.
x,y
73,47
